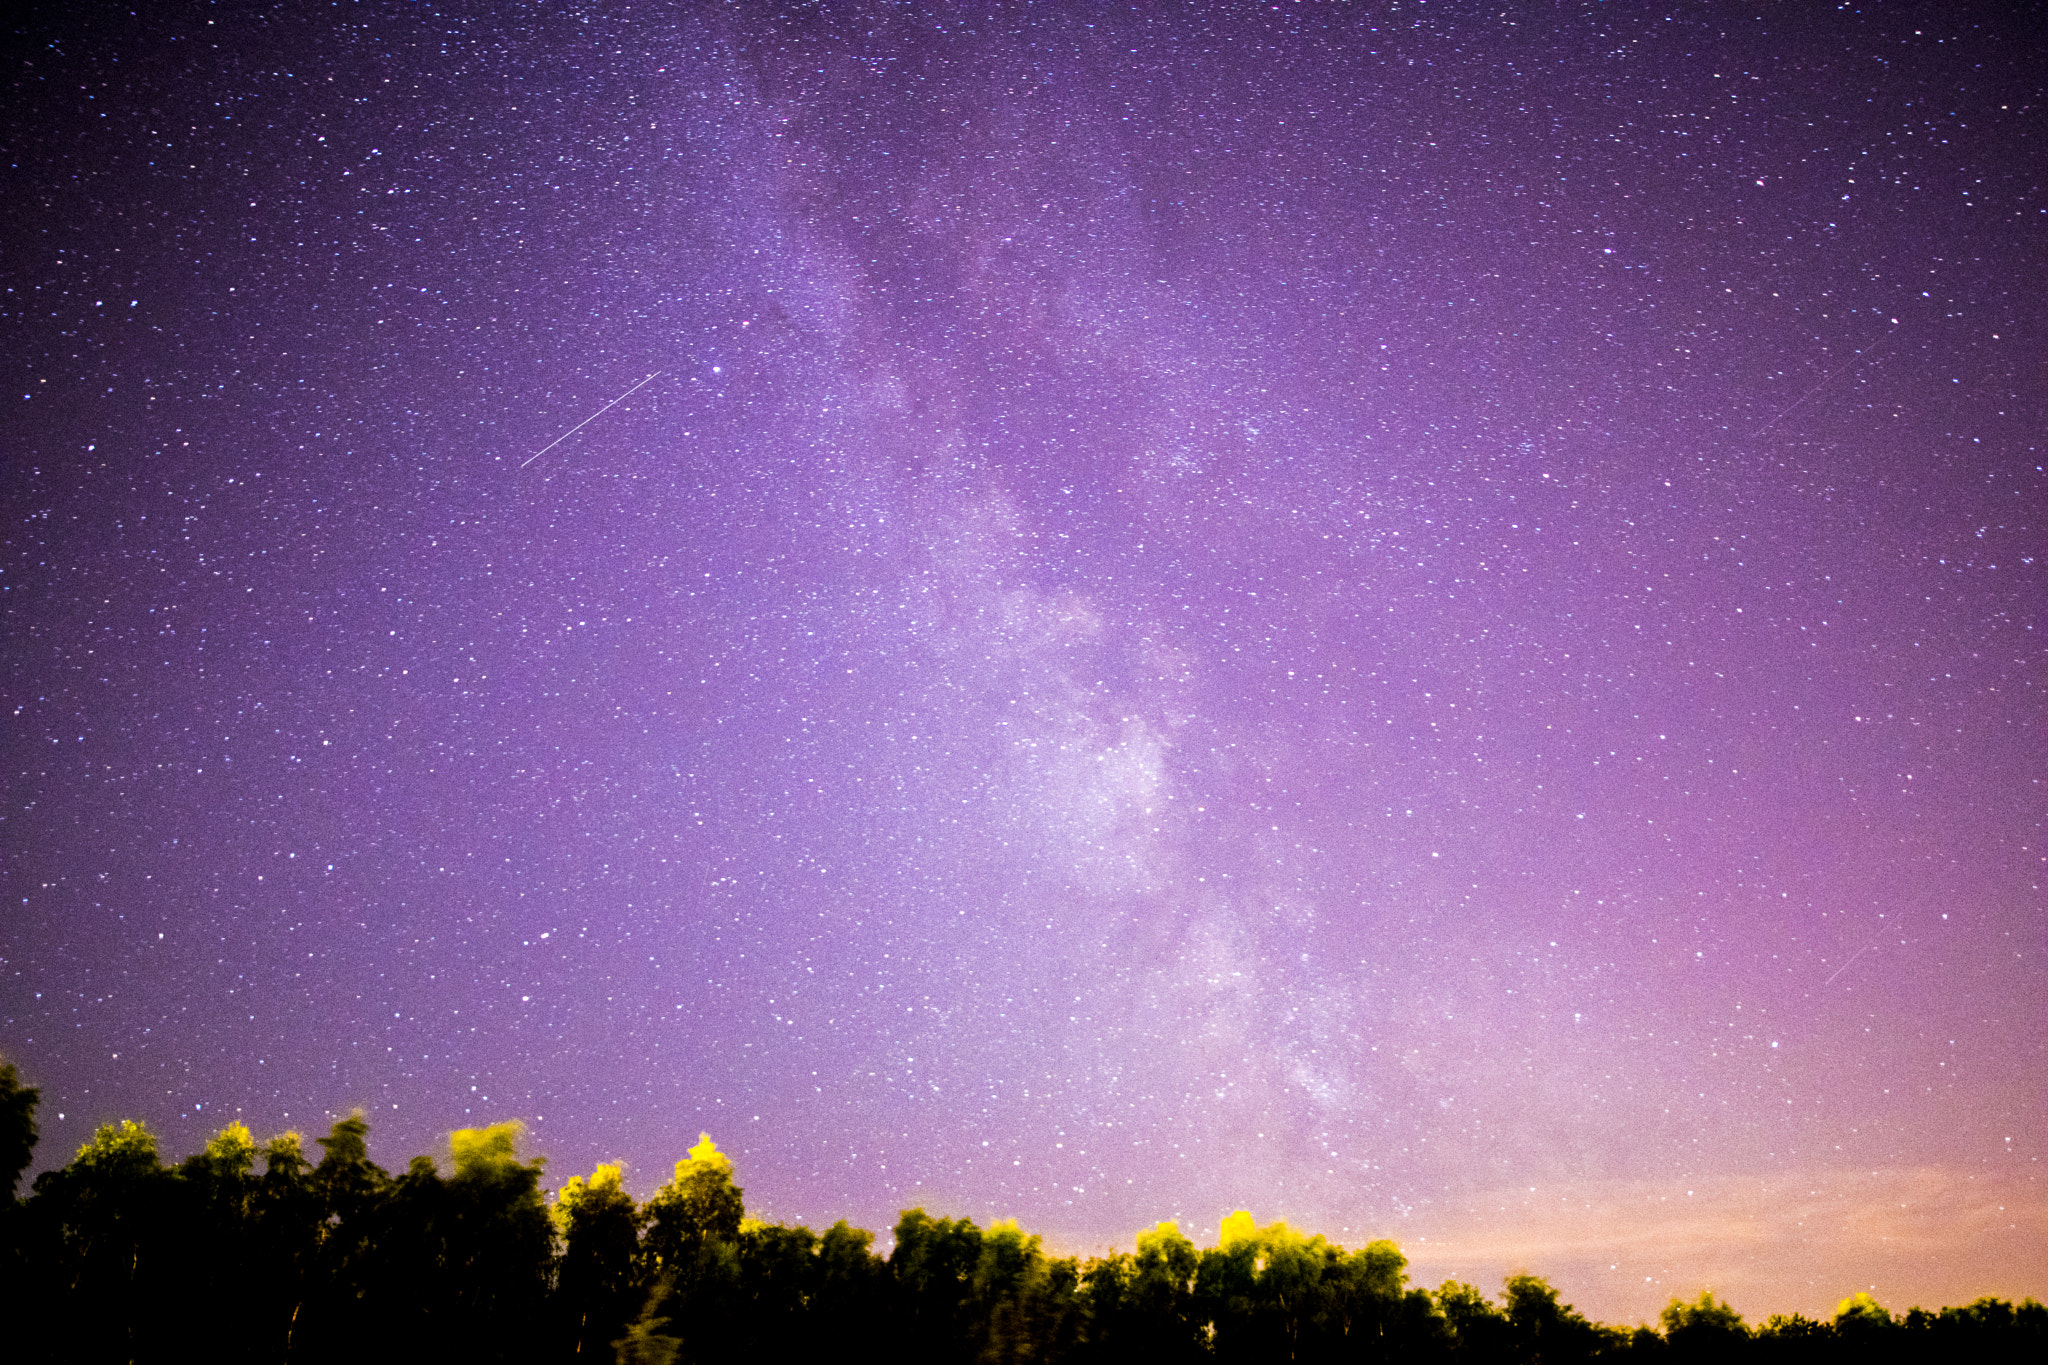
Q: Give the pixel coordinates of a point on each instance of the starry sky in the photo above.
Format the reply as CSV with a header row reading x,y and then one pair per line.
x,y
1423,618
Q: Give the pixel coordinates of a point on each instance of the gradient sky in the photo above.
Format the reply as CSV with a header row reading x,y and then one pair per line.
x,y
1422,618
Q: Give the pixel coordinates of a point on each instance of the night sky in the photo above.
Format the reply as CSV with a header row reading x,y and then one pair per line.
x,y
1420,618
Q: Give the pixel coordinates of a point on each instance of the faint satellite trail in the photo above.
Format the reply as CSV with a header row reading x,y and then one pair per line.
x,y
588,420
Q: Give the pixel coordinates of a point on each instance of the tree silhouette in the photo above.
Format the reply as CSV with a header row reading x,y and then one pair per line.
x,y
117,1257
690,1256
499,1244
1705,1329
850,1300
933,1267
347,1300
1542,1331
17,1128
598,1286
17,1148
1991,1331
778,1274
285,1225
1478,1330
212,1197
1142,1307
106,1225
700,1206
1021,1305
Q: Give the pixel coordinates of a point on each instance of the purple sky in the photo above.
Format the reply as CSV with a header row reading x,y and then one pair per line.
x,y
1421,619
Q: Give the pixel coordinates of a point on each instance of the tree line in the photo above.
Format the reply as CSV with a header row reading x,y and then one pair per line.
x,y
251,1252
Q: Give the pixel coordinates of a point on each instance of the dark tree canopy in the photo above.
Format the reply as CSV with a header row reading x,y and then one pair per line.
x,y
265,1256
17,1127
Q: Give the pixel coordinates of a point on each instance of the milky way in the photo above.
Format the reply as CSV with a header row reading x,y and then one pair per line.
x,y
1420,618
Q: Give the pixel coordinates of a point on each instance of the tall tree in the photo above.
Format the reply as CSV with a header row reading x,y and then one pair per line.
x,y
347,1300
1291,1296
647,1342
778,1277
1478,1330
215,1187
1542,1331
1022,1305
598,1286
700,1205
17,1146
1161,1295
17,1128
349,1183
500,1244
933,1267
690,1254
1990,1331
1703,1330
287,1219
851,1302
1371,1316
106,1225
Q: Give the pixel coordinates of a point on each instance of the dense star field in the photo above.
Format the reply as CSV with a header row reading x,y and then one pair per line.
x,y
1419,618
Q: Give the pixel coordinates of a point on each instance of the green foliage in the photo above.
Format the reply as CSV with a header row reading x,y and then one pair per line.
x,y
1477,1329
488,1154
1022,1306
597,1286
499,1243
229,1156
1381,1270
1543,1331
845,1257
1705,1329
349,1183
1705,1313
119,1151
262,1256
699,1207
1463,1304
1275,1293
1793,1335
933,1267
103,1230
1146,1302
645,1343
1165,1264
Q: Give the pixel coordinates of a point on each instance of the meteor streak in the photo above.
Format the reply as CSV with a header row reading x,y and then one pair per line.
x,y
1825,380
1845,966
588,420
